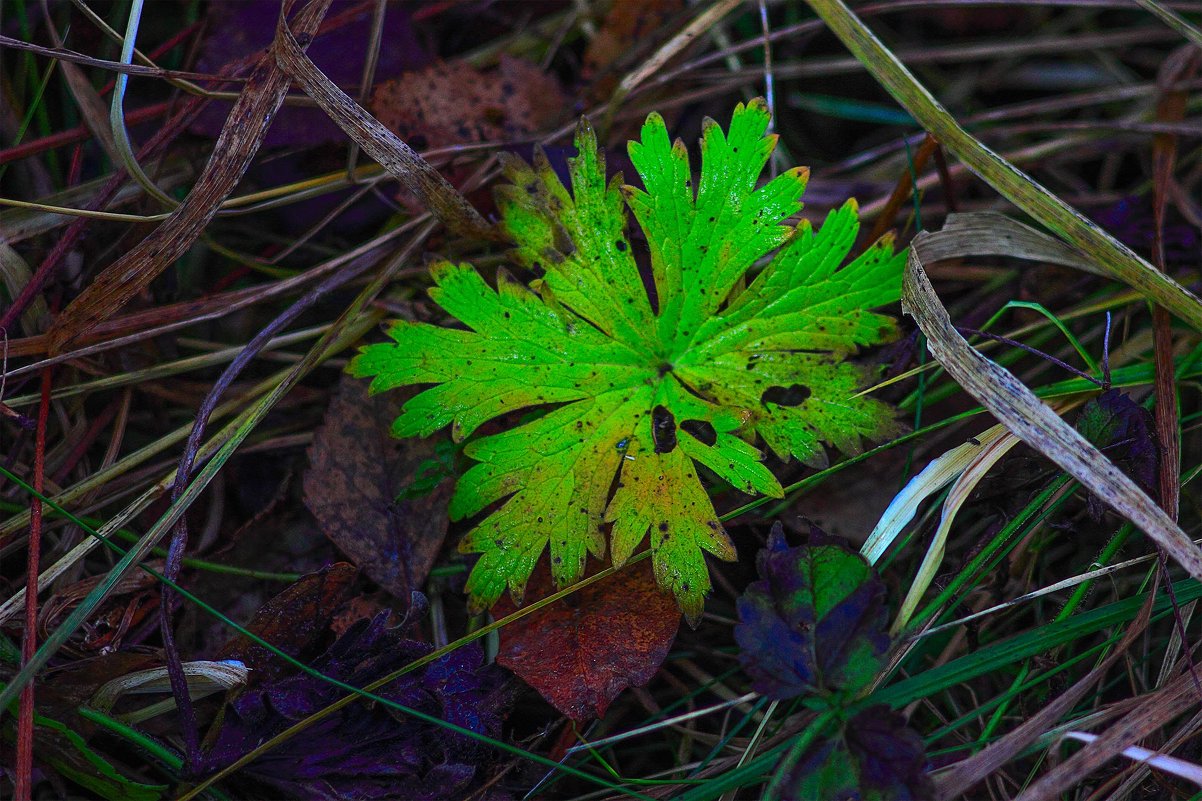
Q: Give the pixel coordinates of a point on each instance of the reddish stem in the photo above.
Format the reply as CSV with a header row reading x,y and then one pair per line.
x,y
74,135
29,638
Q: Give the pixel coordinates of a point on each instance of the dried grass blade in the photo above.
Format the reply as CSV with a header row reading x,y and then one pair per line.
x,y
237,144
15,274
335,340
1170,107
1154,711
91,107
1118,261
938,473
401,161
689,34
1031,420
963,776
991,233
1178,767
978,467
1174,20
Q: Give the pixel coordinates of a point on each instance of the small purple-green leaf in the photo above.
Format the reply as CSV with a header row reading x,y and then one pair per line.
x,y
1122,429
874,756
814,622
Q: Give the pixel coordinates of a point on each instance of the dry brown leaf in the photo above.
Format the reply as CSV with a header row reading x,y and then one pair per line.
x,y
583,650
400,160
356,471
626,25
292,621
456,103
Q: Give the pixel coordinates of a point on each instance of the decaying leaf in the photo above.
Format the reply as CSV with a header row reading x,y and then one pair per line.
x,y
582,651
625,31
392,153
455,103
643,393
293,620
368,751
356,473
815,622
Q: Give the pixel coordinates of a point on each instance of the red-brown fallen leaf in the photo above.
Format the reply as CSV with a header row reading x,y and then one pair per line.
x,y
583,650
356,471
292,621
626,28
354,610
455,103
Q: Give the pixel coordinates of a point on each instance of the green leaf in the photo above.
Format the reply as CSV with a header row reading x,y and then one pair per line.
x,y
637,393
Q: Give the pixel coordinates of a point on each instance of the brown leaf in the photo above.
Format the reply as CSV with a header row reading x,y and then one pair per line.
x,y
625,33
293,620
455,103
355,472
390,152
583,650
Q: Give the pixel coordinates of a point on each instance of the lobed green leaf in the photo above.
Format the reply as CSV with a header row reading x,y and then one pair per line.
x,y
633,395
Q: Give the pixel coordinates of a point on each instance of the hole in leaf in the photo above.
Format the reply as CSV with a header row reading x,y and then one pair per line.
x,y
663,430
701,430
786,396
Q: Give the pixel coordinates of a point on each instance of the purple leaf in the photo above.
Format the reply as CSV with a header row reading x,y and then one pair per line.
x,y
237,30
1122,429
873,757
814,622
365,751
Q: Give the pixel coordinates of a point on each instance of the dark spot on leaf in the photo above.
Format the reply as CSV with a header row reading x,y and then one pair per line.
x,y
663,526
794,395
620,245
701,431
663,430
